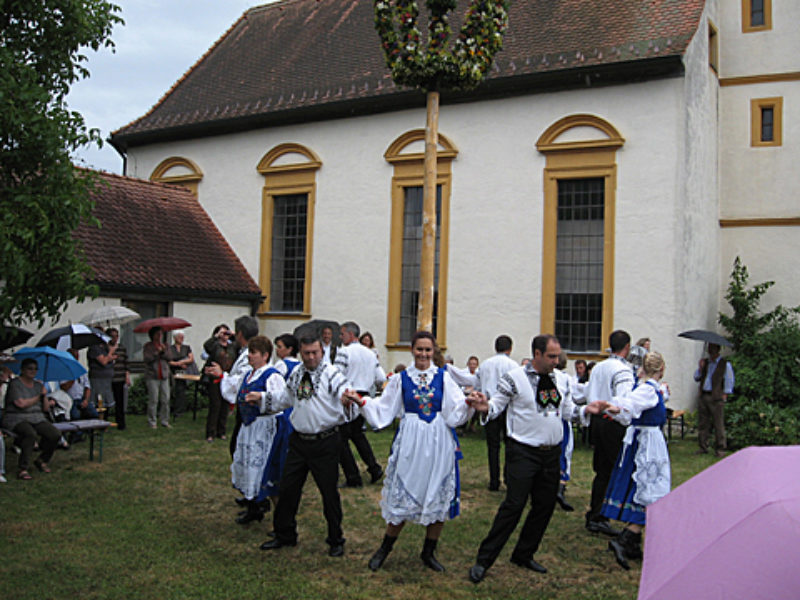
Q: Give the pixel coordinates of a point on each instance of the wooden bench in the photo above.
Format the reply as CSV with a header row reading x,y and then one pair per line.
x,y
96,428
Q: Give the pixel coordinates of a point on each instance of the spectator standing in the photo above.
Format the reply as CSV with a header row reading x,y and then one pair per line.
x,y
715,375
156,377
220,349
121,380
181,360
101,371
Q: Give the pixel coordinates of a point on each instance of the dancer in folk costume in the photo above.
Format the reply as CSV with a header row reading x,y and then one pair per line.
x,y
422,480
642,473
259,385
286,348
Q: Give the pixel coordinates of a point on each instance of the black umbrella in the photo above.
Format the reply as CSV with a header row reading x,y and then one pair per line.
x,y
11,336
75,336
314,328
703,335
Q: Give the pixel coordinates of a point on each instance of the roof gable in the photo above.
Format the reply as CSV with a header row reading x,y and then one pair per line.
x,y
157,237
299,54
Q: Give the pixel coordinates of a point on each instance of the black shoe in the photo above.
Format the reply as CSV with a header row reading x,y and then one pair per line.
x,y
529,564
252,514
241,501
494,487
602,527
275,543
376,475
562,500
616,547
376,562
477,573
336,550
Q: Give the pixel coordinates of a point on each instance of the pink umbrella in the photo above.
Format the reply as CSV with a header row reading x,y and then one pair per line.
x,y
166,323
731,532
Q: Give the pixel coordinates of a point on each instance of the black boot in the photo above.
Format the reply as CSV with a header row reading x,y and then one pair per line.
x,y
560,498
427,555
377,559
253,514
619,546
634,548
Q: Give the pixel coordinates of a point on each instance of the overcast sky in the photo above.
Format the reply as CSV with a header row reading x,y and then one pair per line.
x,y
160,41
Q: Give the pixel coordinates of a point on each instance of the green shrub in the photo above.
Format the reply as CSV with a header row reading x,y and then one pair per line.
x,y
137,397
761,423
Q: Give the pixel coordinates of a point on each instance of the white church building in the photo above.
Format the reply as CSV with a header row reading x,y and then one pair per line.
x,y
617,159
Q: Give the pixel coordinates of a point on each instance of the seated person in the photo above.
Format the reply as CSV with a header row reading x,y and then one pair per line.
x,y
80,390
25,414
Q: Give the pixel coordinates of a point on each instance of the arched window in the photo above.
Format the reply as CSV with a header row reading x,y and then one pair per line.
x,y
578,238
406,155
178,170
287,227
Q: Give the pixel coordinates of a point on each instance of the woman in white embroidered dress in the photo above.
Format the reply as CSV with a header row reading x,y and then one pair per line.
x,y
642,473
255,438
421,483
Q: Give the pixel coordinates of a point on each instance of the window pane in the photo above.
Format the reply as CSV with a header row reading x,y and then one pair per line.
x,y
756,13
288,273
412,256
767,122
579,263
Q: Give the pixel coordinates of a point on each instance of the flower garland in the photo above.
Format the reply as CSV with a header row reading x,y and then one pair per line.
x,y
437,66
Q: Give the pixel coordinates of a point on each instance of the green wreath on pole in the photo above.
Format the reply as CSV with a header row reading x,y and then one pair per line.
x,y
436,65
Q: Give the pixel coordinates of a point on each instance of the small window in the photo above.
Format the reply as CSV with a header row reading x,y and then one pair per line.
x,y
756,15
766,116
713,47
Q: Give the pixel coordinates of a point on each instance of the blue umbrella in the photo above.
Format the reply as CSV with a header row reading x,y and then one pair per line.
x,y
54,365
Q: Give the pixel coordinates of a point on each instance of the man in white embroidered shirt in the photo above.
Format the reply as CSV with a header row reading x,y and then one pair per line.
x,y
535,403
361,368
315,389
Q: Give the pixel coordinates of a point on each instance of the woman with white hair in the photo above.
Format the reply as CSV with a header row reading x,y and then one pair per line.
x,y
180,359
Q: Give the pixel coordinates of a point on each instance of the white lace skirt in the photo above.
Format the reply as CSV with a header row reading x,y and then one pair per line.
x,y
420,481
250,457
652,474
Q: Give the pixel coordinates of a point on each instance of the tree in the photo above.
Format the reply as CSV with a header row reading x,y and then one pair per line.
x,y
43,197
433,67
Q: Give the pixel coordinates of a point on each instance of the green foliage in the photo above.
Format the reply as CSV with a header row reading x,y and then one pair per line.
x,y
765,363
43,197
766,346
435,66
761,423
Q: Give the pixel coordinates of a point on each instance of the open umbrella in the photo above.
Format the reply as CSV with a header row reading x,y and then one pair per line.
x,y
75,336
166,323
110,315
702,335
54,365
13,336
731,532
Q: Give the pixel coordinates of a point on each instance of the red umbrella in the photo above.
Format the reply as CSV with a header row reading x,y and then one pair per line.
x,y
166,323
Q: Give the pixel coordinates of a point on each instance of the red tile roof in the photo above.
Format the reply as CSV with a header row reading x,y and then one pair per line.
x,y
156,237
292,56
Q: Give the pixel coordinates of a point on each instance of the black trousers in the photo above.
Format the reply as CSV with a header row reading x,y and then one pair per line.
x,y
321,457
118,387
530,473
606,437
217,417
354,431
495,435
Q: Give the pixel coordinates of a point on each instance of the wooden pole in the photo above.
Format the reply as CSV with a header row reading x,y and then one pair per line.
x,y
427,263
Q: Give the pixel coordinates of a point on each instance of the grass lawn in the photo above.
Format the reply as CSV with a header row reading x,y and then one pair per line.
x,y
154,520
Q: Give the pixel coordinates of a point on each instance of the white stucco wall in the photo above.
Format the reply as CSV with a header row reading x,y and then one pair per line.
x,y
762,52
666,197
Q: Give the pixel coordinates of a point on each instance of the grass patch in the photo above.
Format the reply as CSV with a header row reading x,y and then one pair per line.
x,y
154,520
